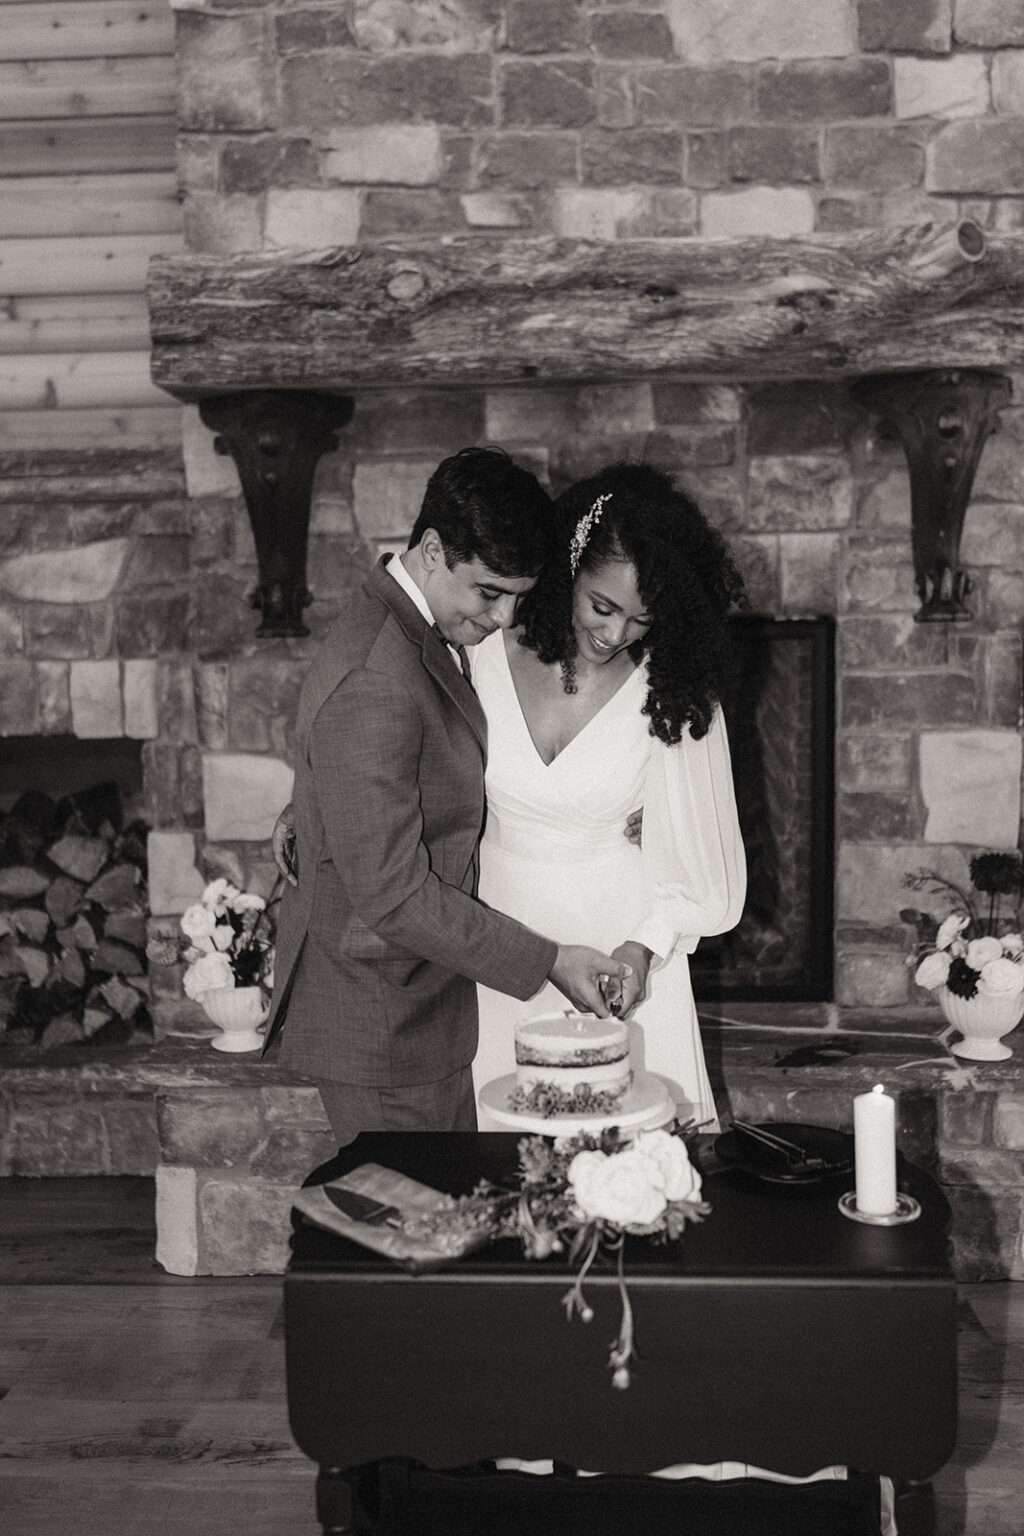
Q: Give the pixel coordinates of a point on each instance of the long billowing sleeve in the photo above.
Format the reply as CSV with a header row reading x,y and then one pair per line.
x,y
693,857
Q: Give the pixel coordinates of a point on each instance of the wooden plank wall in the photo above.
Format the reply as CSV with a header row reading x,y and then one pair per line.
x,y
87,195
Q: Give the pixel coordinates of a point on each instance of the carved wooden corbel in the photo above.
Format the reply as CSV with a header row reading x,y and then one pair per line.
x,y
276,438
943,419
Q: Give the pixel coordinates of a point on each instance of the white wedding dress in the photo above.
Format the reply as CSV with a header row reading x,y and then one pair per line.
x,y
554,855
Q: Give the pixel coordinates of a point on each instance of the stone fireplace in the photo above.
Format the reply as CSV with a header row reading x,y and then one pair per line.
x,y
674,231
923,717
560,228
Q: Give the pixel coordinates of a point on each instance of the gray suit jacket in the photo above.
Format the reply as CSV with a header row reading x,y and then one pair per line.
x,y
379,947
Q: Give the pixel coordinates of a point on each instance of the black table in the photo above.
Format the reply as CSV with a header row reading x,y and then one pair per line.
x,y
777,1332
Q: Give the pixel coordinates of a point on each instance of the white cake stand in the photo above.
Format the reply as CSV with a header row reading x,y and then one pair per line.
x,y
645,1107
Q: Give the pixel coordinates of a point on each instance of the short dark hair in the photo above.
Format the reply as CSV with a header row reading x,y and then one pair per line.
x,y
485,507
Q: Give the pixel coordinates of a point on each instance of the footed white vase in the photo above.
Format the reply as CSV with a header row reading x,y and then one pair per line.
x,y
983,1021
238,1012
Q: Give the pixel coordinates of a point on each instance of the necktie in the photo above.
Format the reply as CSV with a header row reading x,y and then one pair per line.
x,y
458,651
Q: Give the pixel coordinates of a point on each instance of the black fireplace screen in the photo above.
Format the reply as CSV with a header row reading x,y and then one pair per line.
x,y
779,708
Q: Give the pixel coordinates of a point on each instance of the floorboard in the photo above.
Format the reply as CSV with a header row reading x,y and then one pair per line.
x,y
57,1231
141,1404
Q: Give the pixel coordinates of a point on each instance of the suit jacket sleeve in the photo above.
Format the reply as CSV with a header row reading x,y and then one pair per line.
x,y
364,748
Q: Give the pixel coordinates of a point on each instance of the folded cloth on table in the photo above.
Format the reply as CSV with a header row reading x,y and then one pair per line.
x,y
370,1205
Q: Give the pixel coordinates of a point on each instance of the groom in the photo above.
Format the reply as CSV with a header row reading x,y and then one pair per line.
x,y
381,942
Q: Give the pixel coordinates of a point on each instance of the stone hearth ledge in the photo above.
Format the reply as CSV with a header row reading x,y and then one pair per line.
x,y
230,1139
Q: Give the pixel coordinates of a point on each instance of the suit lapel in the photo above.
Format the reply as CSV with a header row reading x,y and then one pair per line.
x,y
435,657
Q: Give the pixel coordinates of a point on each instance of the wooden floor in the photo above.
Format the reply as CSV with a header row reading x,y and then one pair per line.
x,y
133,1403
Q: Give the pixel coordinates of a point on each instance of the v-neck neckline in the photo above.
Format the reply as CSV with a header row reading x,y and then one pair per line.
x,y
510,678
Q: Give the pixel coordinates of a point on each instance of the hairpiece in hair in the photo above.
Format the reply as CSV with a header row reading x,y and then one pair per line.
x,y
584,528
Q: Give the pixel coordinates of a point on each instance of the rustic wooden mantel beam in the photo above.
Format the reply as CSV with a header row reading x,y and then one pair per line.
x,y
479,312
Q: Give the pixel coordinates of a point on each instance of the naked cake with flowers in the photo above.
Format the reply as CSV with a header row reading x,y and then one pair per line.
x,y
571,1063
573,1074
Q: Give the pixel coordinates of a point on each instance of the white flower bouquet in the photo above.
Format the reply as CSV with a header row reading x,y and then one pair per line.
x,y
227,941
585,1194
978,949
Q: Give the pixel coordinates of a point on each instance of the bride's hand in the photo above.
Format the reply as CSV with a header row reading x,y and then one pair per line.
x,y
633,988
633,831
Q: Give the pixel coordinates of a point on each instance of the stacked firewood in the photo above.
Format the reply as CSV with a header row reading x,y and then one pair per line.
x,y
72,920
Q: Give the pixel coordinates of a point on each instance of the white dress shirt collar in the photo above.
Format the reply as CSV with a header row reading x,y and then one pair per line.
x,y
396,569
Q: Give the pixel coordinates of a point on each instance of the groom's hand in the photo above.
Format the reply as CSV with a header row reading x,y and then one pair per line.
x,y
582,974
283,845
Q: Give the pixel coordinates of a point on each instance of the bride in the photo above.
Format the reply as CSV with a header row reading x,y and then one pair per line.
x,y
602,701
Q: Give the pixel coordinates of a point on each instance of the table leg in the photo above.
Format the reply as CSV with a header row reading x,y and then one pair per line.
x,y
334,1501
348,1500
915,1509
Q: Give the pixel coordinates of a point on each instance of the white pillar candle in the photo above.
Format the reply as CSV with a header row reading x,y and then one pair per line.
x,y
874,1140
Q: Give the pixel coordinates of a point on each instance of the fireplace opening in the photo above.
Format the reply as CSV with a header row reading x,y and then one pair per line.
x,y
779,709
66,765
73,901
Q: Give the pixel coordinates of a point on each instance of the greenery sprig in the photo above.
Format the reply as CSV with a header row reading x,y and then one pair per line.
x,y
582,1195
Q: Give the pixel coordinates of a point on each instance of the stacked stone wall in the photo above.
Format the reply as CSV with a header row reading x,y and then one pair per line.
x,y
306,124
370,120
127,614
124,579
818,509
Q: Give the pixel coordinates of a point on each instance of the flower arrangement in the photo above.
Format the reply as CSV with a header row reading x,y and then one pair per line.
x,y
978,949
583,1195
547,1099
228,941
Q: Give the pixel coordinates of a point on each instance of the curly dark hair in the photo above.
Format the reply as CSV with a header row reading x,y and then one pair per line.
x,y
686,578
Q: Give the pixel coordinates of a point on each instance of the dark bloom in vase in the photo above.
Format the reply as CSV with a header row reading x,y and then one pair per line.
x,y
997,874
962,979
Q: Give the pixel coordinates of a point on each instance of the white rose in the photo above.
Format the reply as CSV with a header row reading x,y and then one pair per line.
x,y
1001,978
245,901
955,923
223,936
197,923
616,1188
1013,945
981,951
583,1162
208,974
218,893
670,1164
933,970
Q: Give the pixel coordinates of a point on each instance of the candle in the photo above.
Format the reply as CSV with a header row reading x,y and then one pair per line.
x,y
874,1140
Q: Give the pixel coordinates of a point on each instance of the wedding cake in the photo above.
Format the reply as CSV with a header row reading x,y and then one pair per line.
x,y
572,1062
573,1074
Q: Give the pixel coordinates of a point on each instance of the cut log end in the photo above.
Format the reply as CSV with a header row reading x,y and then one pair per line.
x,y
942,251
971,238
